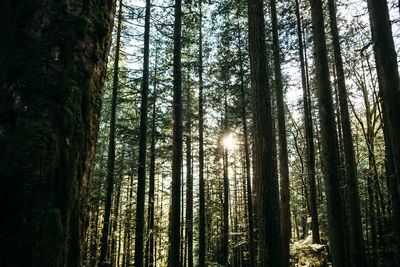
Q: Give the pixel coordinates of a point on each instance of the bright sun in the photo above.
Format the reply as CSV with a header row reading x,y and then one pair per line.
x,y
229,142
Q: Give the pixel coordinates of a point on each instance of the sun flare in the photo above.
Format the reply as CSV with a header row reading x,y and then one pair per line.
x,y
229,142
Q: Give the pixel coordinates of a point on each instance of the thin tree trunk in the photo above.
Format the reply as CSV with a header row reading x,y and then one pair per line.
x,y
283,153
189,182
111,148
247,157
310,151
270,242
150,241
115,222
174,221
202,212
329,139
141,185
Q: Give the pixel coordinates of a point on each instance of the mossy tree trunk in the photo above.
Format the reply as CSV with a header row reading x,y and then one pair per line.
x,y
52,68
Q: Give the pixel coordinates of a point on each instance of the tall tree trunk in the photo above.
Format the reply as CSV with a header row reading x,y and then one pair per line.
x,y
150,231
189,182
329,139
270,242
51,94
202,211
111,148
310,151
388,78
141,185
174,221
225,234
247,157
356,239
283,153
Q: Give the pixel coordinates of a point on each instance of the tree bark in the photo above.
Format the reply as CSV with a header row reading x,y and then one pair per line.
x,y
329,137
356,239
388,79
283,153
174,221
270,242
53,62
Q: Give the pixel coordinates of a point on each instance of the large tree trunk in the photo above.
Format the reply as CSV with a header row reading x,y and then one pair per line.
x,y
111,148
329,139
141,185
52,67
202,211
174,220
388,78
270,242
310,151
356,239
283,153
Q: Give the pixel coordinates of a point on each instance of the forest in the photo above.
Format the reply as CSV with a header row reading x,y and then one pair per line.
x,y
199,133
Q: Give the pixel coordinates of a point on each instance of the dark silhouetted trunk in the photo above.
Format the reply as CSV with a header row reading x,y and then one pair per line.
x,y
141,185
150,216
270,242
174,220
283,153
310,151
111,148
356,239
329,138
51,95
388,78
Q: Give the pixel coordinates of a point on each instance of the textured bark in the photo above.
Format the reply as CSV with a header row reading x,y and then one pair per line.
x,y
283,153
202,211
115,223
247,157
53,56
174,220
388,78
270,242
111,149
329,137
356,239
141,185
310,151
